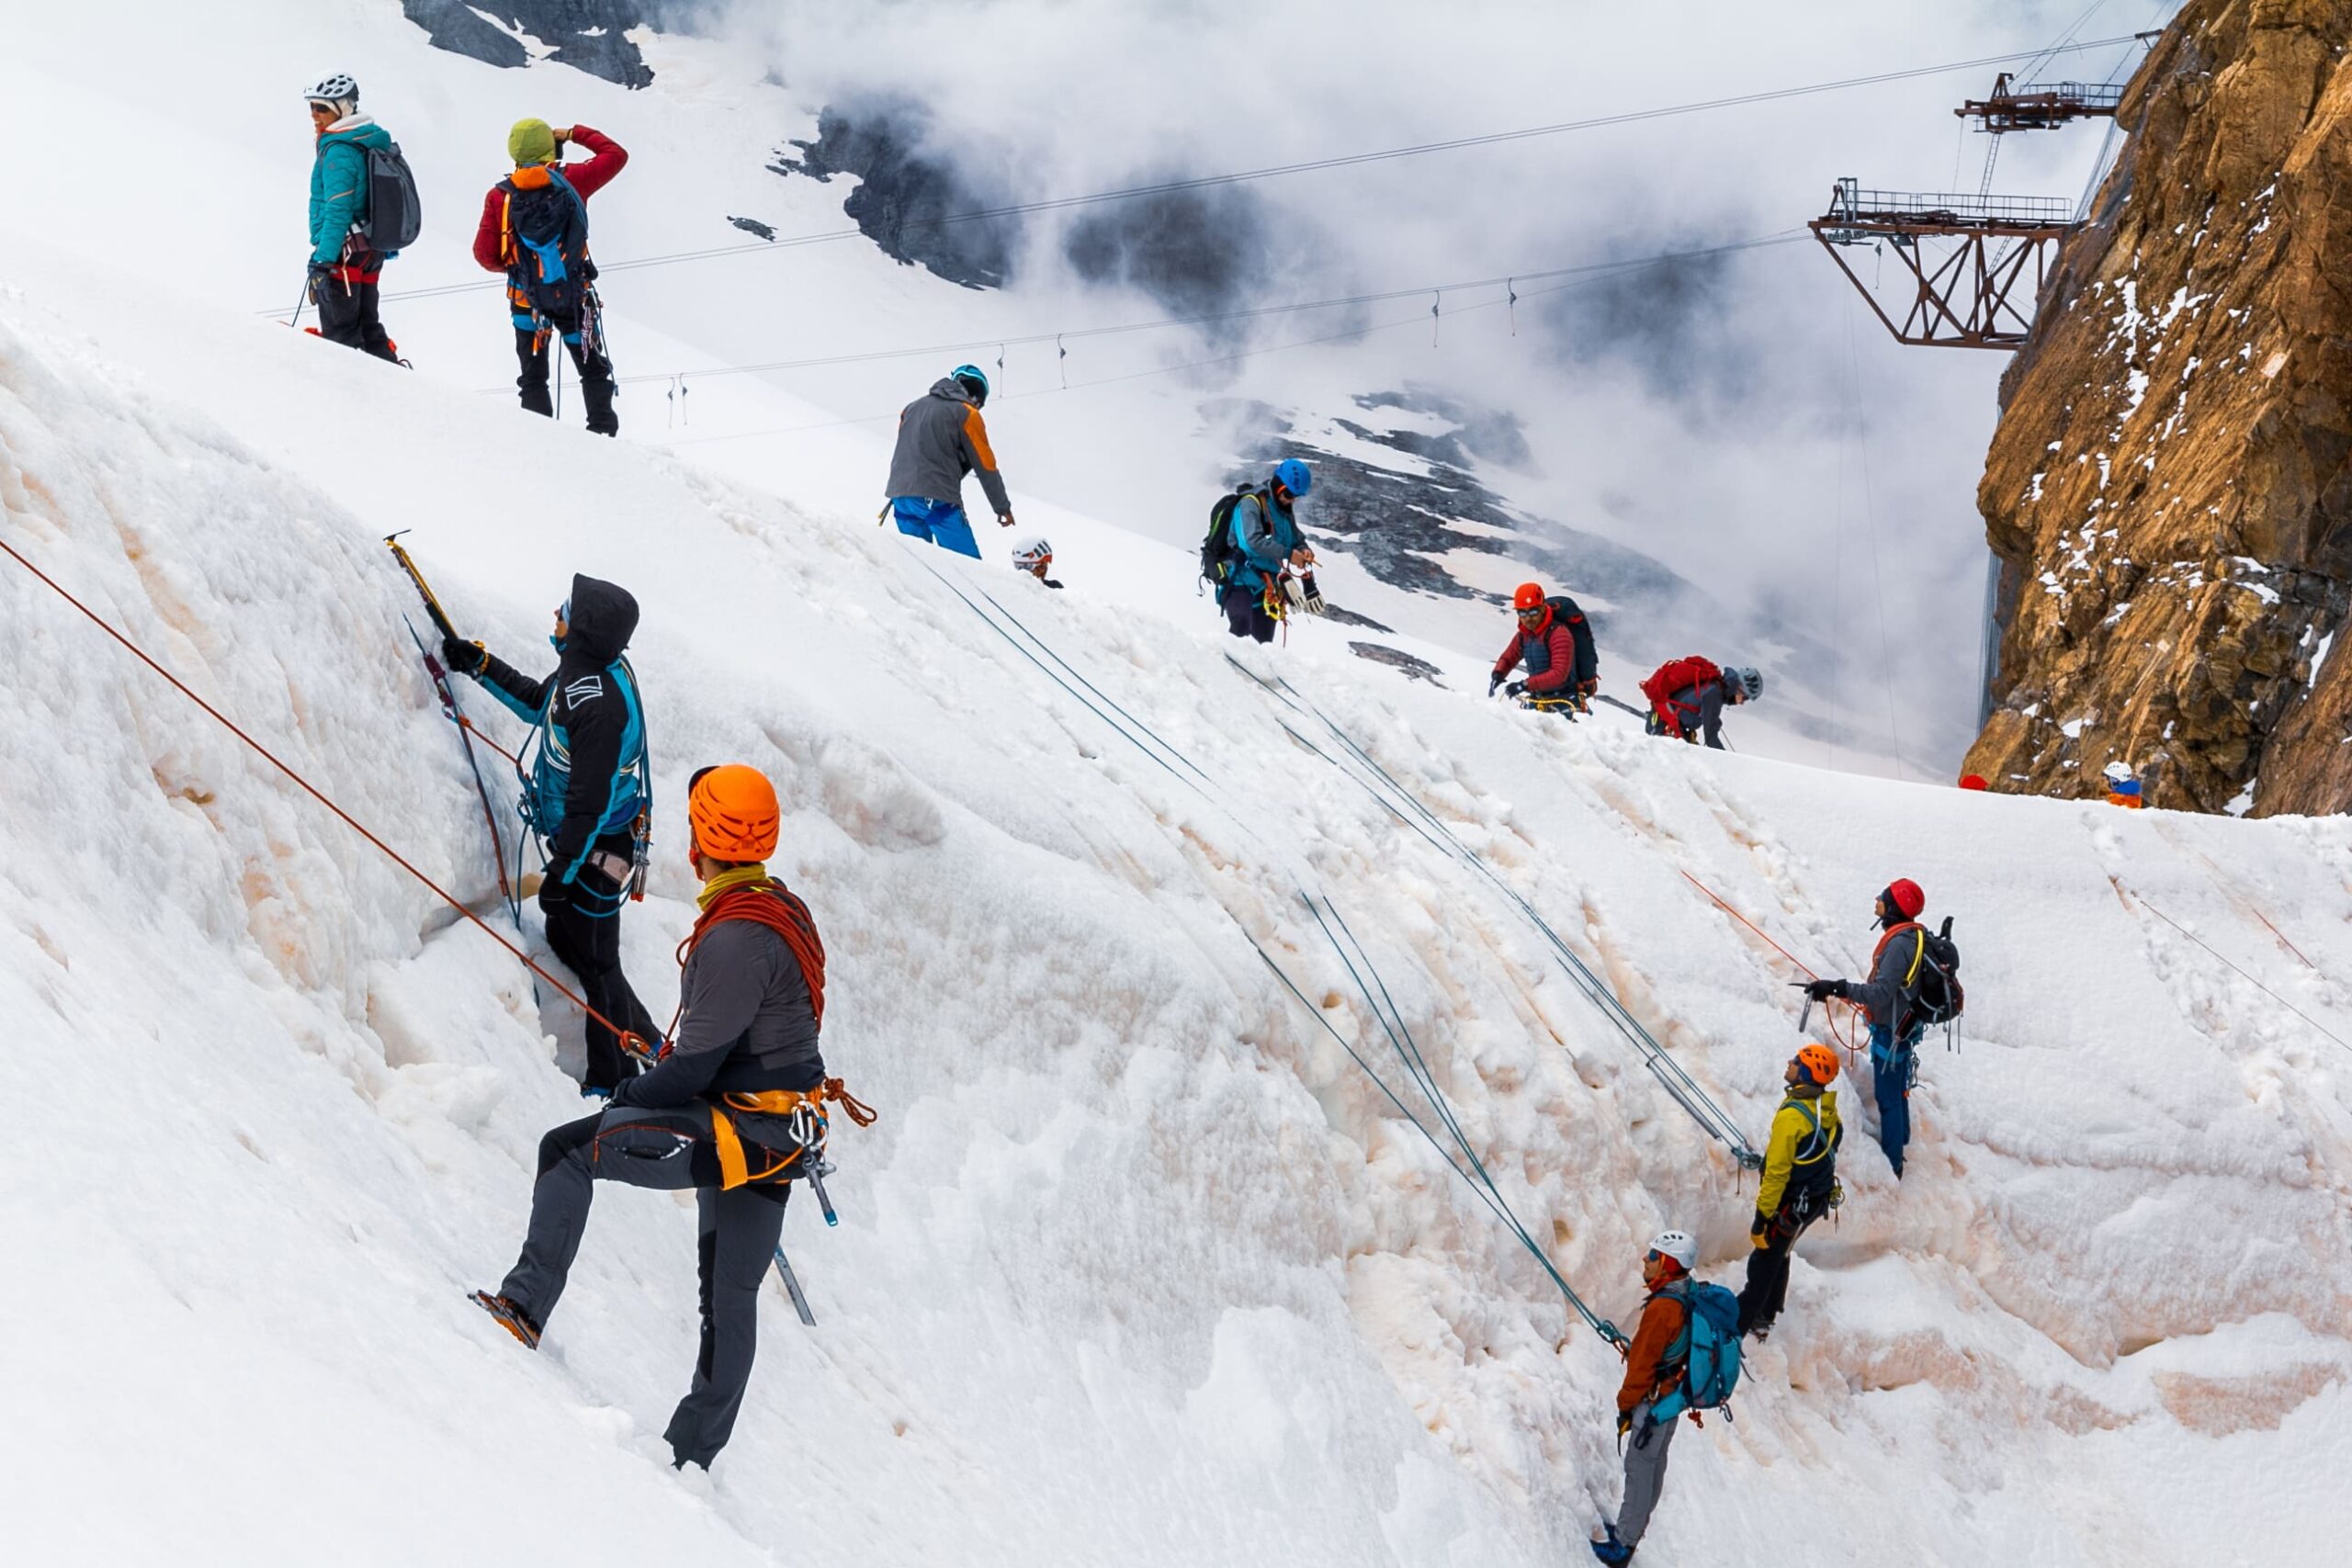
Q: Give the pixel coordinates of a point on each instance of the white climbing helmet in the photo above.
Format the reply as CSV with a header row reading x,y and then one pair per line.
x,y
2118,773
338,89
1678,1244
1028,552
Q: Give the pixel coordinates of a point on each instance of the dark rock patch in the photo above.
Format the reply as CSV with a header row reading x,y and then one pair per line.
x,y
588,35
911,202
753,226
1396,658
1195,252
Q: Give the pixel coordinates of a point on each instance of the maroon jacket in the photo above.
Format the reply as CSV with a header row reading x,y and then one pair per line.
x,y
588,176
1559,656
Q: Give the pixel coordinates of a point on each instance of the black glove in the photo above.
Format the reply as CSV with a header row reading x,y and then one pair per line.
x,y
1493,683
1821,990
554,893
462,657
1625,1422
1517,688
1758,1231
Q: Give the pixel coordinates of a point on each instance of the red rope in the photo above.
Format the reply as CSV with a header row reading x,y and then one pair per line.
x,y
629,1042
776,906
1842,1038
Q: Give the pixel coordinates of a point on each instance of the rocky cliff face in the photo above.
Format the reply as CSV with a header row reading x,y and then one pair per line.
x,y
2170,488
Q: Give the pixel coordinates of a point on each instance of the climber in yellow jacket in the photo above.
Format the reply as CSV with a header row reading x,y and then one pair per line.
x,y
1799,1183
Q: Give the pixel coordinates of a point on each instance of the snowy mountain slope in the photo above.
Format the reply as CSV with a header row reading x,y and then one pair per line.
x,y
1756,510
1138,1264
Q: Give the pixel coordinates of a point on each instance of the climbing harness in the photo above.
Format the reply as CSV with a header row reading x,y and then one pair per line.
x,y
629,1043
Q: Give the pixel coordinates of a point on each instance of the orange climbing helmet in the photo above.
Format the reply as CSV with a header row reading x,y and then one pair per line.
x,y
1819,1062
1529,596
734,813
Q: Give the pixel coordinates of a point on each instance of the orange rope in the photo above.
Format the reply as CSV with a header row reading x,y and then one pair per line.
x,y
630,1043
477,731
1842,1038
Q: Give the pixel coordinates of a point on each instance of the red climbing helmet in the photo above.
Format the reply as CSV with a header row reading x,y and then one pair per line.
x,y
1529,596
1819,1064
1902,895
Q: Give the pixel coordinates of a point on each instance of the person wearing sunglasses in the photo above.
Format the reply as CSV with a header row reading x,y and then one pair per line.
x,y
1554,646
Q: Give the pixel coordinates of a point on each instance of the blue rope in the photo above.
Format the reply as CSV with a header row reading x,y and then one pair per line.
x,y
1678,1085
1136,732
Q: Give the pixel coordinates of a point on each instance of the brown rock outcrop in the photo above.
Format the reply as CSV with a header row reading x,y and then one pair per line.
x,y
2170,488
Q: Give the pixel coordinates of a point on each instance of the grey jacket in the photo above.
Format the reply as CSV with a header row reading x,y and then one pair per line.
x,y
1886,995
746,1026
941,439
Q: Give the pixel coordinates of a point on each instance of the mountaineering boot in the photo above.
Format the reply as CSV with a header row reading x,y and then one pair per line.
x,y
598,395
510,1317
1610,1549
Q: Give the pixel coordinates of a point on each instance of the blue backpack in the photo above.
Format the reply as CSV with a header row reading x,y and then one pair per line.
x,y
1708,1348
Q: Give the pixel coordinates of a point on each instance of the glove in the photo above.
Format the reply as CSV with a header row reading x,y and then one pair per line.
x,y
1516,689
1292,593
1311,598
1625,1422
1821,990
1758,1232
555,894
562,135
1586,688
465,657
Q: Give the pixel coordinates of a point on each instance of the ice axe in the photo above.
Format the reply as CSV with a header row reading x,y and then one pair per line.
x,y
432,605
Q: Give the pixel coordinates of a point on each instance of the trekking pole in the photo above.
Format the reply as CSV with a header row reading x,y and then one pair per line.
x,y
432,605
792,1288
300,300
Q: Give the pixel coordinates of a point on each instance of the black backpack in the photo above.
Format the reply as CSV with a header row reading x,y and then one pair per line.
x,y
394,219
1937,996
549,224
1216,545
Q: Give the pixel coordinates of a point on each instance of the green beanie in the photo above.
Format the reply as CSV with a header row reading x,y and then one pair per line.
x,y
531,142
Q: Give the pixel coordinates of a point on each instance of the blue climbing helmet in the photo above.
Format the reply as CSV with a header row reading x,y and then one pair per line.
x,y
974,382
1293,476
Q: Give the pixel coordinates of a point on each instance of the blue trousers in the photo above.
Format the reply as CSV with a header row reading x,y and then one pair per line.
x,y
941,522
1891,1066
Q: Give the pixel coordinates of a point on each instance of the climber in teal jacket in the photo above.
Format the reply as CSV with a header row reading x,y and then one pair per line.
x,y
345,273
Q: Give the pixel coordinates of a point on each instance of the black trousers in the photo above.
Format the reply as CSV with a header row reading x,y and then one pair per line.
x,y
667,1151
586,936
1245,613
1766,1289
347,311
596,375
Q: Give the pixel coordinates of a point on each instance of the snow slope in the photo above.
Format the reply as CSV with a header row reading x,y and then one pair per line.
x,y
1139,1266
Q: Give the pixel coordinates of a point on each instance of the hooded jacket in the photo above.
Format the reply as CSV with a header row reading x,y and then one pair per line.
x,y
588,779
339,184
941,438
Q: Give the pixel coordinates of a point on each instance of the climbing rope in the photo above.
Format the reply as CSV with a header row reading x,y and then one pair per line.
x,y
1841,1038
1678,1085
1468,1167
629,1042
2140,899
